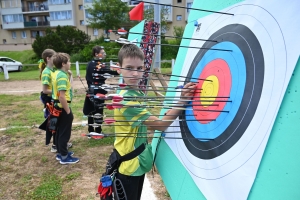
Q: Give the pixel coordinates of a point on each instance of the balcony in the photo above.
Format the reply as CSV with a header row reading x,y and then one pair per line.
x,y
30,6
36,24
35,9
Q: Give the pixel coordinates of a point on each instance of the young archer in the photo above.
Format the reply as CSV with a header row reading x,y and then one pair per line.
x,y
132,172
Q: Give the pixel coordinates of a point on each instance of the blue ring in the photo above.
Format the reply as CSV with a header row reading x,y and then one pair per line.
x,y
236,63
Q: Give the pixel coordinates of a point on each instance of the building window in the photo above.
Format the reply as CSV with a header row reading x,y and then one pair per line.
x,y
188,5
35,33
179,1
88,1
10,4
59,1
95,31
179,17
81,22
60,15
80,7
14,35
23,34
13,18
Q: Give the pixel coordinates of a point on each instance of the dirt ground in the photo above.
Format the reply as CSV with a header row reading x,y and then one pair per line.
x,y
84,185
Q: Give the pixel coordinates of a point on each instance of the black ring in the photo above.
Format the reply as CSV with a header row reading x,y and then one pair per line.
x,y
247,42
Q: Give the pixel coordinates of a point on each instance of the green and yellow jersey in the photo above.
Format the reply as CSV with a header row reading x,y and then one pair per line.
x,y
47,77
60,81
124,145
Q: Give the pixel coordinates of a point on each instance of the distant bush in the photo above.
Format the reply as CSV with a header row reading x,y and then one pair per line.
x,y
64,39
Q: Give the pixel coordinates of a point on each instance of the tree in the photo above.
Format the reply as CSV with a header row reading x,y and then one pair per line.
x,y
108,14
64,39
74,39
50,41
164,12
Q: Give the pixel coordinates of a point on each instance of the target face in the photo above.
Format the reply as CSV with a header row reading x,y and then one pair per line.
x,y
233,81
242,86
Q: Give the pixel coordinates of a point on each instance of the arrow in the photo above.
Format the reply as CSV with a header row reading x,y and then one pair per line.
x,y
186,7
117,97
97,125
118,105
130,89
150,79
112,120
102,135
173,45
116,66
122,85
173,37
97,115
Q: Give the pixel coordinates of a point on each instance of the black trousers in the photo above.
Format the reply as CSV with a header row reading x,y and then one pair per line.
x,y
133,185
97,110
49,135
63,133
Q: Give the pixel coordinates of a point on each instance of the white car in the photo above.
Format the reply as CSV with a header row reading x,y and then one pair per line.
x,y
12,65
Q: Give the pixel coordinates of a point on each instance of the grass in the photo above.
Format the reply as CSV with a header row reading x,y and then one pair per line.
x,y
31,75
25,57
49,188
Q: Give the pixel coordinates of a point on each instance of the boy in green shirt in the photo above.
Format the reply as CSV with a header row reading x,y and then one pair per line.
x,y
132,172
62,95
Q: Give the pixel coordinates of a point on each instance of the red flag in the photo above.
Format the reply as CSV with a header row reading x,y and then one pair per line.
x,y
137,13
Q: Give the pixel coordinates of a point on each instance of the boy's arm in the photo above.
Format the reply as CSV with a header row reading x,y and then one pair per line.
x,y
71,79
62,99
172,114
46,89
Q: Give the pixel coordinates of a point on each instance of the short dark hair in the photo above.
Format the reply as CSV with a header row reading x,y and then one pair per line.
x,y
131,51
59,59
96,50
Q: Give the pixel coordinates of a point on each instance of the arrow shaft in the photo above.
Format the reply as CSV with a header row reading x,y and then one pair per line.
x,y
162,137
173,107
186,120
164,74
97,125
114,88
169,36
173,45
186,7
100,116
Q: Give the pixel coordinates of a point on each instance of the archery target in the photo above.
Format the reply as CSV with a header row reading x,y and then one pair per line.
x,y
247,75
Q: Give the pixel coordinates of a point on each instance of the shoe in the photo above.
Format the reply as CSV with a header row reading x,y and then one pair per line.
x,y
69,145
70,153
53,149
69,160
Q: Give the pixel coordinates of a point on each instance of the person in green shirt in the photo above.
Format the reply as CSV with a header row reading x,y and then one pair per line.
x,y
132,172
62,95
46,69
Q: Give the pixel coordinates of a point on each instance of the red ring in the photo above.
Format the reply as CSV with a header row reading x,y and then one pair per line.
x,y
221,70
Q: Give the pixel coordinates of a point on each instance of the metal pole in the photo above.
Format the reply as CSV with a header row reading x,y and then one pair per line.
x,y
157,18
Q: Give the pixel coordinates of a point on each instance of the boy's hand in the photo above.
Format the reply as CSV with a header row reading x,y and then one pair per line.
x,y
188,91
116,68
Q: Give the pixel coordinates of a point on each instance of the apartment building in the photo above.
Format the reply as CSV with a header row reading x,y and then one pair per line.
x,y
22,20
